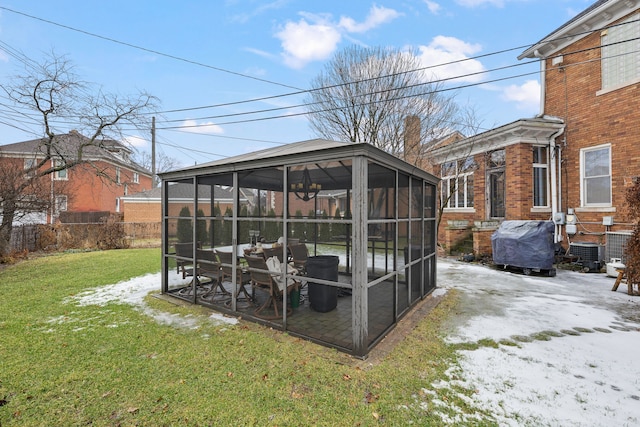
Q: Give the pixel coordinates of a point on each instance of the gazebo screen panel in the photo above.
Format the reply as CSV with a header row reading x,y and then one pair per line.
x,y
381,207
381,192
179,209
413,255
401,254
381,249
381,314
215,210
430,201
334,181
260,193
403,196
430,235
334,327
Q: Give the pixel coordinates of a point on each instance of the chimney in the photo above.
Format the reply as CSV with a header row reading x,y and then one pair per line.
x,y
412,140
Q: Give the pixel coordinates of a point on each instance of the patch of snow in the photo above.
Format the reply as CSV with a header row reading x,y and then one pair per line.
x,y
134,291
575,347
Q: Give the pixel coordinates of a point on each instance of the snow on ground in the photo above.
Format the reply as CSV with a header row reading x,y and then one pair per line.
x,y
572,358
575,362
133,292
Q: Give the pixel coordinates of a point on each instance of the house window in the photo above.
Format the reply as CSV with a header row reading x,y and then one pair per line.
x,y
457,183
496,184
595,176
117,175
136,178
61,174
540,177
620,59
29,166
61,204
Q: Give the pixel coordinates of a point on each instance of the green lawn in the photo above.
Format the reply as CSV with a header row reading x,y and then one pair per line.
x,y
64,364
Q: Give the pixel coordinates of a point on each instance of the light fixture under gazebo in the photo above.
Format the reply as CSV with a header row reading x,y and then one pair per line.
x,y
306,189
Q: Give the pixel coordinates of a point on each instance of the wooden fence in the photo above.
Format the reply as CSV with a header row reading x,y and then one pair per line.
x,y
107,235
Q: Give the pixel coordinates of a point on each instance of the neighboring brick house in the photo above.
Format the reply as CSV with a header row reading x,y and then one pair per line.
x,y
94,186
577,157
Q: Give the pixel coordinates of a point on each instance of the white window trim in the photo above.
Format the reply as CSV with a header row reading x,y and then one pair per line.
x,y
61,200
28,164
56,174
583,196
457,177
544,166
618,47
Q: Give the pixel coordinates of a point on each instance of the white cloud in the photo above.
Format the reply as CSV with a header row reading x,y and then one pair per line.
x,y
255,71
136,141
526,96
195,127
454,54
303,42
433,6
476,3
377,16
316,36
243,18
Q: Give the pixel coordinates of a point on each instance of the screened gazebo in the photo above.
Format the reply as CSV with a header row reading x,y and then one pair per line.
x,y
330,241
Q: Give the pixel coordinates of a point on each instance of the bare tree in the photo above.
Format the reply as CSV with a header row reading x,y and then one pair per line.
x,y
451,158
56,96
365,94
164,163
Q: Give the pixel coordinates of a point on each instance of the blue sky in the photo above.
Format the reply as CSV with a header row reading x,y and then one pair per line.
x,y
205,53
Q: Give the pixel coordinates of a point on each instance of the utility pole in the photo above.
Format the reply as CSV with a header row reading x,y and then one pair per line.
x,y
153,152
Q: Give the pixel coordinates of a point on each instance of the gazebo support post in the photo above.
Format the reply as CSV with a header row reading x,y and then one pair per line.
x,y
360,323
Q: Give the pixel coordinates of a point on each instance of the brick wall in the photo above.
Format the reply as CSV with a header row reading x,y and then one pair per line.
x,y
86,191
593,119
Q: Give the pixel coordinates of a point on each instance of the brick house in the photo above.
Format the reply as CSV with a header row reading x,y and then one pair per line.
x,y
93,186
571,162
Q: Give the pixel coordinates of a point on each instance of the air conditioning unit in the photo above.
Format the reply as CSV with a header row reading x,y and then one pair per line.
x,y
590,255
616,246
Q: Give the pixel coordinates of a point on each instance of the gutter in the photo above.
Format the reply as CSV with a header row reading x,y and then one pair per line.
x,y
555,160
543,78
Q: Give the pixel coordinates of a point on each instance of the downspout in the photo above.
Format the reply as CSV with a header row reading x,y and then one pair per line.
x,y
555,153
543,76
556,179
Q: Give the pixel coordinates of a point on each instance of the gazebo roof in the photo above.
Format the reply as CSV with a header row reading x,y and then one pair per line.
x,y
314,150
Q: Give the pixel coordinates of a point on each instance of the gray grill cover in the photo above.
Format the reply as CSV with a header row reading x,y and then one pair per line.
x,y
524,244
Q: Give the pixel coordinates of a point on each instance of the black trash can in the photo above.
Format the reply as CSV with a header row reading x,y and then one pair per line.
x,y
323,298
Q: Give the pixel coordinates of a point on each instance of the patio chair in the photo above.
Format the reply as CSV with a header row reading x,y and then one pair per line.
x,y
275,251
209,267
299,255
226,272
261,278
184,250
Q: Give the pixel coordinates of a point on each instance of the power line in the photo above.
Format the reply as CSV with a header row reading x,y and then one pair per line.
x,y
399,89
167,55
25,60
302,91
